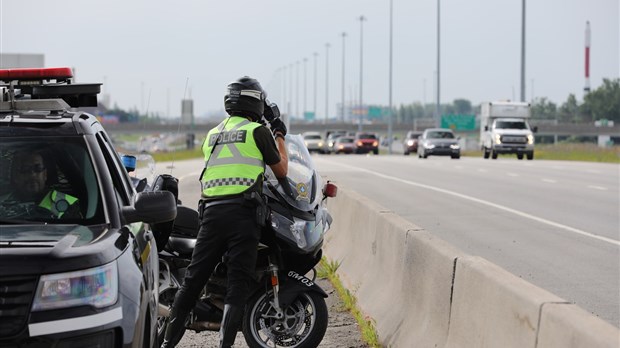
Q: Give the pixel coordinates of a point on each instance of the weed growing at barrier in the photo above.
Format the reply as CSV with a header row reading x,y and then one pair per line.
x,y
327,269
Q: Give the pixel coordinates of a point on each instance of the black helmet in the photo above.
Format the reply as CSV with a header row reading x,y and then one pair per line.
x,y
245,97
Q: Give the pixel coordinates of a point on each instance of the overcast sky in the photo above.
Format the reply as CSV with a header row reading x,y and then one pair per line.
x,y
147,51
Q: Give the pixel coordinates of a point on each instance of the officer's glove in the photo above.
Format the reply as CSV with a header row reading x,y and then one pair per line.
x,y
278,127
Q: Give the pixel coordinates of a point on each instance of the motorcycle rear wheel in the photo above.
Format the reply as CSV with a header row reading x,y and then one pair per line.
x,y
303,326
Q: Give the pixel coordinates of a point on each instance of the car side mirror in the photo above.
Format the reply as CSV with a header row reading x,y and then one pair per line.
x,y
486,128
535,129
151,207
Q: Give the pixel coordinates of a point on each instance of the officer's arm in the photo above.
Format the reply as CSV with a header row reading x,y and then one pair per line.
x,y
280,169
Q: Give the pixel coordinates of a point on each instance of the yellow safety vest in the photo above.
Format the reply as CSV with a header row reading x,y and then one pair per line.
x,y
236,163
57,202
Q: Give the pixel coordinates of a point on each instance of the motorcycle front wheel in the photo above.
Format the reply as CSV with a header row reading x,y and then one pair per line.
x,y
303,326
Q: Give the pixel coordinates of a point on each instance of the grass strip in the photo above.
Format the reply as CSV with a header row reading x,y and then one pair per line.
x,y
327,269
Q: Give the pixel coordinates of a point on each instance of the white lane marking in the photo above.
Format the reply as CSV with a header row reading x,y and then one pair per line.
x,y
597,187
80,323
490,204
551,181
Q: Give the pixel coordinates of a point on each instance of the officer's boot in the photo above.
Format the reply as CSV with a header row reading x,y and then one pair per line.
x,y
176,328
231,321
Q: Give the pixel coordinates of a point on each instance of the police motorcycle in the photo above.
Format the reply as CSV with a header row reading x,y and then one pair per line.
x,y
286,306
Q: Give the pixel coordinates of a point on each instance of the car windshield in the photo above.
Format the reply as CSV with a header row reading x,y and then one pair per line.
x,y
48,181
345,140
510,125
312,137
367,136
440,135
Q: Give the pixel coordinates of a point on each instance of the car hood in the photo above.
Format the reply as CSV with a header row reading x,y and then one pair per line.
x,y
441,141
503,131
44,249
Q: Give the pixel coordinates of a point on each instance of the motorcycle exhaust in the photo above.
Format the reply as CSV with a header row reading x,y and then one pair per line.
x,y
163,311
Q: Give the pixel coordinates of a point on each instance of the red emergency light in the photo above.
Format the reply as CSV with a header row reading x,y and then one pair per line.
x,y
36,74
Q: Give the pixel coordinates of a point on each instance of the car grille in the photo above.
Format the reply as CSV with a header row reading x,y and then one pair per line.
x,y
514,139
15,298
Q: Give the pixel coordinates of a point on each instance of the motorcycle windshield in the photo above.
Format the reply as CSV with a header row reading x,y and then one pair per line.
x,y
301,187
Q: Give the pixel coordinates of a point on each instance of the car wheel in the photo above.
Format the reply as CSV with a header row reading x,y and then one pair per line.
x,y
519,156
530,156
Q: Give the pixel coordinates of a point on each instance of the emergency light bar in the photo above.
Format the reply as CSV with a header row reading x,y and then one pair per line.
x,y
46,83
36,74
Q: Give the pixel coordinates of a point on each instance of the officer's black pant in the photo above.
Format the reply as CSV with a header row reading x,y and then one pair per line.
x,y
224,228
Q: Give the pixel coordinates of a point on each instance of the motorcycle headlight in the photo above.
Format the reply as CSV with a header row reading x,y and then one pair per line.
x,y
97,287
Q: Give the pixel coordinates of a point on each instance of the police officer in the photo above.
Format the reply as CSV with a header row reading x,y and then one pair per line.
x,y
236,152
29,179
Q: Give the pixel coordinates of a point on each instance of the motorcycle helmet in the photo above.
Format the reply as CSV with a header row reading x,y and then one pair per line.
x,y
245,97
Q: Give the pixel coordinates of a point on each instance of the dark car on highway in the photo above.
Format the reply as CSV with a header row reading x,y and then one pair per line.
x,y
78,268
366,142
410,142
439,142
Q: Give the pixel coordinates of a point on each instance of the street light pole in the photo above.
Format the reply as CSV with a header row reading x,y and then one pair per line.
x,y
297,92
438,103
523,52
315,54
390,104
344,35
327,80
305,87
361,101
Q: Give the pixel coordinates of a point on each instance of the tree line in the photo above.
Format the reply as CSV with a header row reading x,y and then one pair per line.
x,y
601,103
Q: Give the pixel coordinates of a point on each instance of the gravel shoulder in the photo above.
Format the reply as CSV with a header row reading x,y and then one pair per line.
x,y
342,330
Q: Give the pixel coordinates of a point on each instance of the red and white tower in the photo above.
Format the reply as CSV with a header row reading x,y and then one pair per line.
x,y
586,89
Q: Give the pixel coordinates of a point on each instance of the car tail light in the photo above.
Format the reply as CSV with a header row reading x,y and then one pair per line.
x,y
330,190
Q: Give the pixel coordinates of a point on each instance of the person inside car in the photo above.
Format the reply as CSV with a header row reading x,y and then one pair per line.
x,y
31,194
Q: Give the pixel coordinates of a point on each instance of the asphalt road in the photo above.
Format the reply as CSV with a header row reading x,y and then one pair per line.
x,y
555,224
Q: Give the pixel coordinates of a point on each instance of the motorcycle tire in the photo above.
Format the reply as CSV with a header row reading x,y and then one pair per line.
x,y
303,326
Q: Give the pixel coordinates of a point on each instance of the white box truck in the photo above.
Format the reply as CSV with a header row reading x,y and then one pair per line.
x,y
504,129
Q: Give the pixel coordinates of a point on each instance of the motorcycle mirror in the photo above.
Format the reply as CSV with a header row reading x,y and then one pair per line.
x,y
330,190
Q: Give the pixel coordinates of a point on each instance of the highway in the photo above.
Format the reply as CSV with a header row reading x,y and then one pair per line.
x,y
555,224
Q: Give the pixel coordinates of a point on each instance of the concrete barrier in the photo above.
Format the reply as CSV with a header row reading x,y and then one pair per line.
x,y
422,292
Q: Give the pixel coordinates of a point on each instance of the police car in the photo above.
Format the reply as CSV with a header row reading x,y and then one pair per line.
x,y
78,267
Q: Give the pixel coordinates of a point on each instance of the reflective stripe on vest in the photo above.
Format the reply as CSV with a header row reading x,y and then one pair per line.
x,y
57,202
236,161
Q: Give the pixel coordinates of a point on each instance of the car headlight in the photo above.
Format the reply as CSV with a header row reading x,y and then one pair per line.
x,y
530,139
498,139
455,146
97,287
375,143
429,146
320,144
410,142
